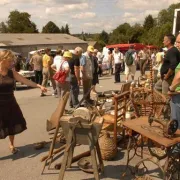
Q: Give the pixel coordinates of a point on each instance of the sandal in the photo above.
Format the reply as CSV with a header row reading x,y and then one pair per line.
x,y
13,150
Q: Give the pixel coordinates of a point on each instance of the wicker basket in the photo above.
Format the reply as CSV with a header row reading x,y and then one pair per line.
x,y
107,146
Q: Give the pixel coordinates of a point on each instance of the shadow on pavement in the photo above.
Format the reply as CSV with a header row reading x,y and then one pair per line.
x,y
26,151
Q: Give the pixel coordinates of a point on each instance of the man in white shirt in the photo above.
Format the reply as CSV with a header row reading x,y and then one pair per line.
x,y
118,60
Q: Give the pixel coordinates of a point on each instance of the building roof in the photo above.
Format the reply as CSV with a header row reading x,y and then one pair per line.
x,y
7,39
91,43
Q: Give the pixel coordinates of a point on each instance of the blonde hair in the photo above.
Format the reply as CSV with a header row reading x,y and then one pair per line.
x,y
79,50
6,55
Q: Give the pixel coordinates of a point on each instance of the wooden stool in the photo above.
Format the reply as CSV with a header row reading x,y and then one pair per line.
x,y
79,131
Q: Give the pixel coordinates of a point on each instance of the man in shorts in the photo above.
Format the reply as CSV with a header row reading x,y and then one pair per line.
x,y
130,67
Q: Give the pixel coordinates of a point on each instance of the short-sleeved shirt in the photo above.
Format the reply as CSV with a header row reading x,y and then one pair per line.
x,y
171,60
74,61
177,70
61,64
143,55
159,57
46,60
86,62
36,60
118,57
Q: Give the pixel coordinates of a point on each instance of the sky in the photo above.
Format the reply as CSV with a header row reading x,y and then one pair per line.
x,y
85,15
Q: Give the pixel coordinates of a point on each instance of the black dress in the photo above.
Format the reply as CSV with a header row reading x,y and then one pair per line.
x,y
12,121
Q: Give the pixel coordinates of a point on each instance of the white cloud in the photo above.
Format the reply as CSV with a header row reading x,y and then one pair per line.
x,y
144,4
87,15
83,15
4,2
127,15
66,8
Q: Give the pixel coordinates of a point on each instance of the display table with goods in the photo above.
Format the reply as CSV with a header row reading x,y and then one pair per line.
x,y
161,139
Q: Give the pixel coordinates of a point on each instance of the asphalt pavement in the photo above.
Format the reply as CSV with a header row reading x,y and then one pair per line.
x,y
26,165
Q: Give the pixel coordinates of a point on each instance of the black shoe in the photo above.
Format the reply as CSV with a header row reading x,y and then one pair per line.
x,y
116,82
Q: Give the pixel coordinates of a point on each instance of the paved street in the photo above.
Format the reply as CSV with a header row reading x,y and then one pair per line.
x,y
26,164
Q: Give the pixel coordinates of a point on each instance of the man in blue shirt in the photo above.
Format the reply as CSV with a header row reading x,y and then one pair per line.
x,y
87,70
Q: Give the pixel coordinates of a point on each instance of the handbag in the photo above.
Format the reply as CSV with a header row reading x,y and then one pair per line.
x,y
61,75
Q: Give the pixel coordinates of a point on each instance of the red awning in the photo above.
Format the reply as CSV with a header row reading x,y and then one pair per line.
x,y
152,47
125,47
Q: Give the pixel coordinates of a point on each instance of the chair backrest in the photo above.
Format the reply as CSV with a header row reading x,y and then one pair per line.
x,y
120,104
125,87
142,101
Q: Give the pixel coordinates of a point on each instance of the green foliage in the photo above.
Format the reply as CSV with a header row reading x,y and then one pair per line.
x,y
103,37
50,27
62,30
67,29
120,34
148,23
3,28
19,22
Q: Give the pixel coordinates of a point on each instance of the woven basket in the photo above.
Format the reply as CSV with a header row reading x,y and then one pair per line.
x,y
107,147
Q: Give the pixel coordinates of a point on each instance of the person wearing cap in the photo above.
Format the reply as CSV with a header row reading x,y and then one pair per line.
x,y
170,62
87,70
64,65
75,81
47,71
130,69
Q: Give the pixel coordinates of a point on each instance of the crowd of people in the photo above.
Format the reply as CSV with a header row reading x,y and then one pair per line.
x,y
84,69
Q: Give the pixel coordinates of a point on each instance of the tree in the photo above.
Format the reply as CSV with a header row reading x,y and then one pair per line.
x,y
103,37
19,22
50,27
3,28
83,37
134,33
148,22
62,30
120,34
67,29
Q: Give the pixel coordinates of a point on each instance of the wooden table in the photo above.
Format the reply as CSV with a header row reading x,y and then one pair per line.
x,y
153,134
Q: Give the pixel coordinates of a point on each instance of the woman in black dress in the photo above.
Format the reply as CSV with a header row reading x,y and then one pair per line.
x,y
12,121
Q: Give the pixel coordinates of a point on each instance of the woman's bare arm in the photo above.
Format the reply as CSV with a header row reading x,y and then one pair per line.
x,y
25,81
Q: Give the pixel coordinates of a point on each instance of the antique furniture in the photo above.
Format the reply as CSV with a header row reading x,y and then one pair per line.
x,y
113,121
82,127
155,134
54,123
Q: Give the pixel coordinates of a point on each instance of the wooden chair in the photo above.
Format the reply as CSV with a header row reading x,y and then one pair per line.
x,y
141,99
113,122
125,87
